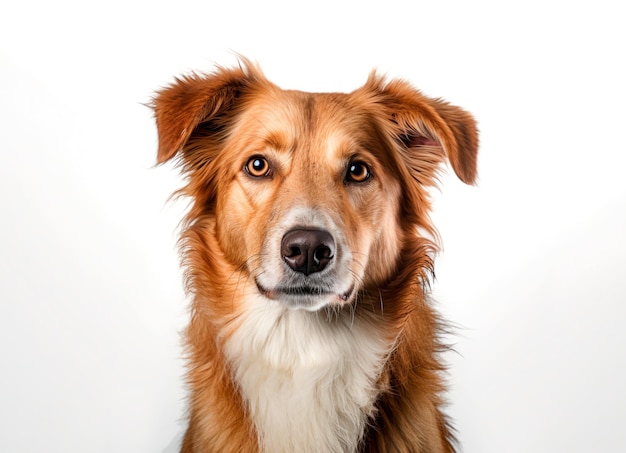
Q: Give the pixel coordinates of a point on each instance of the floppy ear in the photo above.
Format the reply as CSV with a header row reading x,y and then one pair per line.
x,y
463,153
430,129
193,99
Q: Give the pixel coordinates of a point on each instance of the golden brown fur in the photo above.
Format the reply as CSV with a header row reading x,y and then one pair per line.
x,y
214,123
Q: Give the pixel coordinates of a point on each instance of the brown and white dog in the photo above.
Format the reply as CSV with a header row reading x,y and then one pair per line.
x,y
308,251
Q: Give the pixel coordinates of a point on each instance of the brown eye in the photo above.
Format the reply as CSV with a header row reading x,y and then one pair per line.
x,y
358,172
258,167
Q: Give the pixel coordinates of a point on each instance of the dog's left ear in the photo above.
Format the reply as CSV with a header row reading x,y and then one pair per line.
x,y
429,128
462,152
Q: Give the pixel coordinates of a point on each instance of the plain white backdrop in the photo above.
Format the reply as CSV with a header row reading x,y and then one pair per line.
x,y
534,261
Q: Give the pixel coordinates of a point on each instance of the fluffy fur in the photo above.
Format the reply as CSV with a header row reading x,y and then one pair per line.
x,y
339,354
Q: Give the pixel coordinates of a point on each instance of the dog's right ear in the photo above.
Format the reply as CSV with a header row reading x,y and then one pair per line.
x,y
193,99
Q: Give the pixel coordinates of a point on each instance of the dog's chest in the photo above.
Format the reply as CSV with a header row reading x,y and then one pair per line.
x,y
309,379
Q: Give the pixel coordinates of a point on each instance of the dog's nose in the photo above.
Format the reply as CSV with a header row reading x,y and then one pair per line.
x,y
307,251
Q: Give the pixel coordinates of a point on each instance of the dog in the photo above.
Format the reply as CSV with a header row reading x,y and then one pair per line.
x,y
308,255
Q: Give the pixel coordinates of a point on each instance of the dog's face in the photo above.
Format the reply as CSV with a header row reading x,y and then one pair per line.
x,y
311,196
308,202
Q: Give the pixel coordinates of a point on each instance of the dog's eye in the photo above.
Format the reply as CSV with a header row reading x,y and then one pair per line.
x,y
357,172
258,167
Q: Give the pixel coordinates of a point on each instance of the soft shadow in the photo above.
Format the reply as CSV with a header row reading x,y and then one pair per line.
x,y
174,445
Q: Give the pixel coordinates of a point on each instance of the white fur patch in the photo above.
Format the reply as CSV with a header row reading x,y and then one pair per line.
x,y
309,378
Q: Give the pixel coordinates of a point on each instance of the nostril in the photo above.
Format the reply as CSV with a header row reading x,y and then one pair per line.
x,y
322,253
293,251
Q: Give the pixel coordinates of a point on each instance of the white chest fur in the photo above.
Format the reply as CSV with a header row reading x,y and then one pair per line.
x,y
309,379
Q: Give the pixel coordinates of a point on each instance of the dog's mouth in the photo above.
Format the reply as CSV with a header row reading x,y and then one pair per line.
x,y
306,296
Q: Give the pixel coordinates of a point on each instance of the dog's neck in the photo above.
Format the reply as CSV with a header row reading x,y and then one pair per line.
x,y
309,379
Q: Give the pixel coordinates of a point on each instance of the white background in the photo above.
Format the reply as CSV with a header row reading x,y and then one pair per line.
x,y
91,304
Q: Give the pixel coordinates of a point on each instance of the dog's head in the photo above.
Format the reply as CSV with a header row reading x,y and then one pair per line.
x,y
313,197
